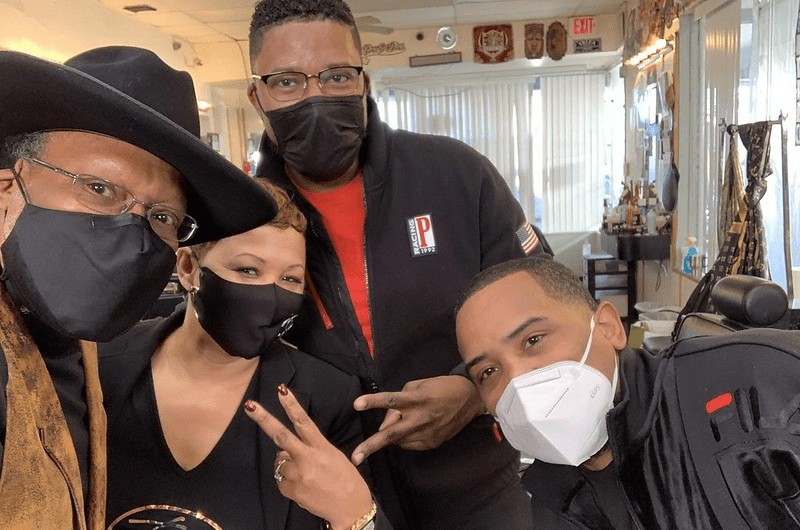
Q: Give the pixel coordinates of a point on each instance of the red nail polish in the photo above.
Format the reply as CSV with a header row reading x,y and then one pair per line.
x,y
496,431
250,405
282,390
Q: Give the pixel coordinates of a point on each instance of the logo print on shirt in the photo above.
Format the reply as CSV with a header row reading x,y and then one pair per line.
x,y
163,517
420,235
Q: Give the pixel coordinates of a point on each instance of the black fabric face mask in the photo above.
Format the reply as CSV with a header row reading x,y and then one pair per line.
x,y
321,136
243,318
87,276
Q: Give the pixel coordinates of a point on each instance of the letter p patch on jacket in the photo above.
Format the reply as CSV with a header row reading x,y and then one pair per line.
x,y
420,235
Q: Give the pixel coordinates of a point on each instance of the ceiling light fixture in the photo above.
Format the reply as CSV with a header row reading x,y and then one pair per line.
x,y
652,53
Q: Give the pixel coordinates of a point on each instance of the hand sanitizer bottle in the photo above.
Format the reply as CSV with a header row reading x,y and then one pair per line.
x,y
687,252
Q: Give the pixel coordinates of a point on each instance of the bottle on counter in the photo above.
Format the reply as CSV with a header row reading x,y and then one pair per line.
x,y
687,252
651,222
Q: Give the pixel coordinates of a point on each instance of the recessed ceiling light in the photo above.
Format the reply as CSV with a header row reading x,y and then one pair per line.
x,y
139,8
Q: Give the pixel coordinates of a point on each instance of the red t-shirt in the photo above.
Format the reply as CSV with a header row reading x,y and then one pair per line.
x,y
343,214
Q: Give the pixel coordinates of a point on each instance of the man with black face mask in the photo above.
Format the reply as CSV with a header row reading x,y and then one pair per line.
x,y
399,223
104,177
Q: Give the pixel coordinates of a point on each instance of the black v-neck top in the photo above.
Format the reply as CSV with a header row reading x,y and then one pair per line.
x,y
234,486
225,487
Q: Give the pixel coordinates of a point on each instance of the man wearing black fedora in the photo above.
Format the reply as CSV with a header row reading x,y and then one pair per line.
x,y
103,177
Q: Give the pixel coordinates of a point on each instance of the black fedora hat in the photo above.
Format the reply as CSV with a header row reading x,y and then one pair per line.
x,y
131,94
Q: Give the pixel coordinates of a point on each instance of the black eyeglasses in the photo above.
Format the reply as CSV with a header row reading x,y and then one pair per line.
x,y
290,86
105,197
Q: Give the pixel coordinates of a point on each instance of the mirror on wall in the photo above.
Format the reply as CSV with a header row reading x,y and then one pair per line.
x,y
652,120
650,140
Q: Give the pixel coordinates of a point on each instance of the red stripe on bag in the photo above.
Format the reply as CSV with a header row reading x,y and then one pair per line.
x,y
719,402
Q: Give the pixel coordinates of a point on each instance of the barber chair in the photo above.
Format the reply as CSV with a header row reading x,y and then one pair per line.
x,y
741,302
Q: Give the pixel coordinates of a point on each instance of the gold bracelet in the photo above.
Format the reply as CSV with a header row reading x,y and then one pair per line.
x,y
362,521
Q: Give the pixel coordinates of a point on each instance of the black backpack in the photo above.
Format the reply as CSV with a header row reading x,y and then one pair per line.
x,y
739,400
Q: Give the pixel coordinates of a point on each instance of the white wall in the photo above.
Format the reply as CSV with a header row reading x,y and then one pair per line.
x,y
607,27
60,29
568,248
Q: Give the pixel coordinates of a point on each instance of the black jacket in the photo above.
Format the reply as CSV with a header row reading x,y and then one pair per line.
x,y
706,436
475,220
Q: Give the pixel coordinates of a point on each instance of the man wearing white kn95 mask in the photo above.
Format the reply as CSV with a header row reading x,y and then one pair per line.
x,y
558,412
705,435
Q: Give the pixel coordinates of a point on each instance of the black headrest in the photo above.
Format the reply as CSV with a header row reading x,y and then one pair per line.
x,y
749,300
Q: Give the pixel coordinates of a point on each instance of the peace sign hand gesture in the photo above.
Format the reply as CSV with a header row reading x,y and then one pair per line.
x,y
309,469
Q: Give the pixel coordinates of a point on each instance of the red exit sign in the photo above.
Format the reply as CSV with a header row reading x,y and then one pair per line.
x,y
582,25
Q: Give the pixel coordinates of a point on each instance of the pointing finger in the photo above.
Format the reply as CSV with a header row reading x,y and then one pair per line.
x,y
382,400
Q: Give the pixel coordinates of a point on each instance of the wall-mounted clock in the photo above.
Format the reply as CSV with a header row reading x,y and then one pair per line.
x,y
446,38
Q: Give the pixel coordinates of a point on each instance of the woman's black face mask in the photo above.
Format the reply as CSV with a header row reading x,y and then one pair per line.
x,y
244,319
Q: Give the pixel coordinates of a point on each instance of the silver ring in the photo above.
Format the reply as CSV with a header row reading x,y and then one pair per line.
x,y
277,475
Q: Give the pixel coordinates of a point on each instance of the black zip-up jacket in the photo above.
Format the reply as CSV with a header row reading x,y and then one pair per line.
x,y
705,436
474,220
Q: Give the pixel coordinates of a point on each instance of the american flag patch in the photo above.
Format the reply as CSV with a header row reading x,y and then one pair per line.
x,y
527,238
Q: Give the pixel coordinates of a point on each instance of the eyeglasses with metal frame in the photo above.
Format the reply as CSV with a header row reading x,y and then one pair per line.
x,y
291,86
105,197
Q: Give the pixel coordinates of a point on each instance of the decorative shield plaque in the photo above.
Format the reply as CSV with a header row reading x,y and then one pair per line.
x,y
493,44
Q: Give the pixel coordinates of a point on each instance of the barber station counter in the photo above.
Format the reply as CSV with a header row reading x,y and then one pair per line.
x,y
606,276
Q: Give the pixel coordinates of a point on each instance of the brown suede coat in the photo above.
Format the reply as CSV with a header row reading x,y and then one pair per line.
x,y
40,483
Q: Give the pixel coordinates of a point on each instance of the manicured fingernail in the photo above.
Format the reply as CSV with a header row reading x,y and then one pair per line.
x,y
250,405
282,390
496,430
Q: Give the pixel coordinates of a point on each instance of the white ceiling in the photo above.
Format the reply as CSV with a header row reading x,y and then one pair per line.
x,y
214,21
